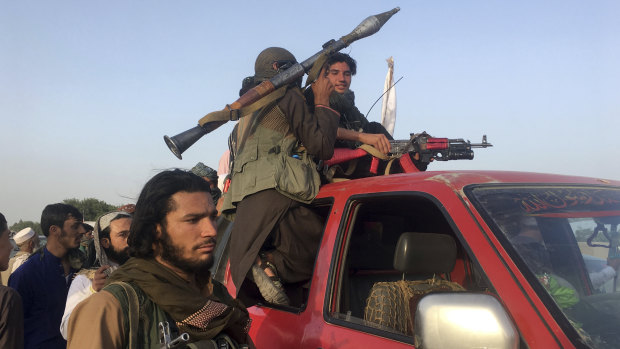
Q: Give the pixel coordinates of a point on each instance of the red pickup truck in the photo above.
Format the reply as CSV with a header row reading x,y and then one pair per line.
x,y
467,259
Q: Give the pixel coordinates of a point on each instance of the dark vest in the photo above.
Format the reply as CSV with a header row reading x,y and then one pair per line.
x,y
270,157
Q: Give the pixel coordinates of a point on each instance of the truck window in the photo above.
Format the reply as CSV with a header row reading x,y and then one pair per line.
x,y
367,283
566,242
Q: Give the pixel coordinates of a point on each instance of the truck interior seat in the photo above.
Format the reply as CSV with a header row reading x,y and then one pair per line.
x,y
370,261
420,258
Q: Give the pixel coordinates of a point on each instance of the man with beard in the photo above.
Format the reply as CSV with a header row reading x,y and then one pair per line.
x,y
354,129
167,280
44,279
110,250
276,234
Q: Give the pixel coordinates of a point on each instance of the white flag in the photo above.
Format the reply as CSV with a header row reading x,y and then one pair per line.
x,y
388,108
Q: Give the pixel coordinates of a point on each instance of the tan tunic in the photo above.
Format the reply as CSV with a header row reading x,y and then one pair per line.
x,y
11,319
100,323
97,322
17,260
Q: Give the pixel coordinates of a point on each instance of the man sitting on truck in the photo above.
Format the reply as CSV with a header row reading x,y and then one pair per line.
x,y
276,235
354,129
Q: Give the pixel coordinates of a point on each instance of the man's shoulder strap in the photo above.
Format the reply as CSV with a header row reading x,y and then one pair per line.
x,y
128,294
232,115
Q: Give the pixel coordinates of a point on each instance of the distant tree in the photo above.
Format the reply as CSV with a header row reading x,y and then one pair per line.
x,y
26,224
91,208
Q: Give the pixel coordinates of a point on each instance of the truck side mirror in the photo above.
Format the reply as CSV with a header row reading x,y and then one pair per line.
x,y
463,320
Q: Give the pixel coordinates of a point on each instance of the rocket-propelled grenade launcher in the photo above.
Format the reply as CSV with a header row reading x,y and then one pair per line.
x,y
179,143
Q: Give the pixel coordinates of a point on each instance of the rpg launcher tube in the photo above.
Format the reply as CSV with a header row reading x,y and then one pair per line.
x,y
179,143
368,27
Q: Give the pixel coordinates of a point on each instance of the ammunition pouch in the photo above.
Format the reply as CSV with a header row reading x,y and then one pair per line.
x,y
297,177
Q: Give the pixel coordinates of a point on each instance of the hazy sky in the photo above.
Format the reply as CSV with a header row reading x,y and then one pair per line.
x,y
89,88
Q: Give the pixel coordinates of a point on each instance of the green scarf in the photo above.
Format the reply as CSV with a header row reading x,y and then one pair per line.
x,y
201,313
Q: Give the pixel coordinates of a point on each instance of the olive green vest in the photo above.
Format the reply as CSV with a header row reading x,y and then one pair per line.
x,y
147,315
270,157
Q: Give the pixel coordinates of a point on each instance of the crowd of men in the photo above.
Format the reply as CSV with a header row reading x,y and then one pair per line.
x,y
152,259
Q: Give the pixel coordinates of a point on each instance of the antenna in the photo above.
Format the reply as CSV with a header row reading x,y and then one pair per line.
x,y
386,91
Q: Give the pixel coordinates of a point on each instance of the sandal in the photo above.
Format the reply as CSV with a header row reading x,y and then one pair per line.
x,y
270,287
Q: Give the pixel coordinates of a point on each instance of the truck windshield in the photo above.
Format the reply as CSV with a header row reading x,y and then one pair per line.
x,y
565,240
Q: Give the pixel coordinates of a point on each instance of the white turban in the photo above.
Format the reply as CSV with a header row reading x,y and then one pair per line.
x,y
23,235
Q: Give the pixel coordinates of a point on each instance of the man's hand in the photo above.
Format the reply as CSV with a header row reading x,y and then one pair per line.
x,y
322,88
100,278
377,140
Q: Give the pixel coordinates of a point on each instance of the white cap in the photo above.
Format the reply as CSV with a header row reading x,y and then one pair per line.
x,y
23,235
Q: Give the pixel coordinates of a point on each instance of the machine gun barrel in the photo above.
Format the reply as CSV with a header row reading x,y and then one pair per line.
x,y
178,144
484,143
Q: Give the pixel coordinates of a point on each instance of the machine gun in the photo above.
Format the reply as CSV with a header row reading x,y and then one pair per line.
x,y
413,155
441,149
